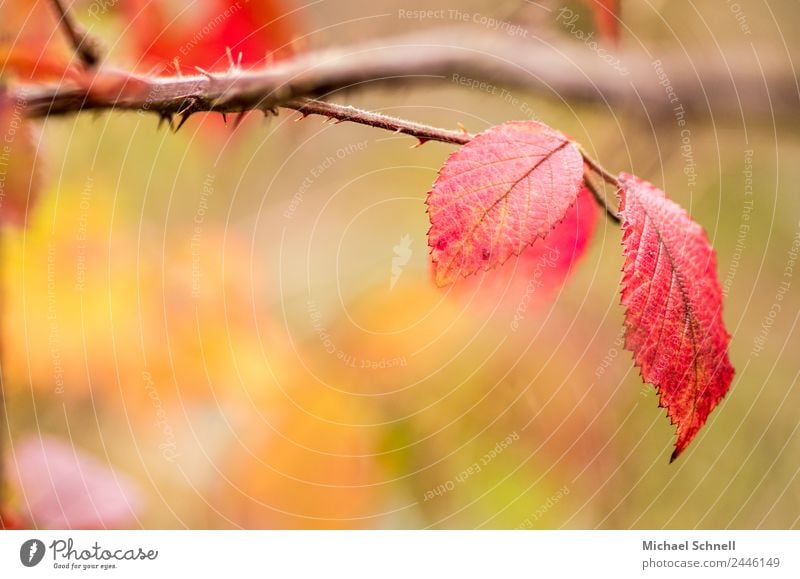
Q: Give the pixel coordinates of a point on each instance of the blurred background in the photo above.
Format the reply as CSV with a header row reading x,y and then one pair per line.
x,y
238,329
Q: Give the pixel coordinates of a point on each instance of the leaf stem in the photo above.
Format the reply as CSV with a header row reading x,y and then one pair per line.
x,y
607,176
601,200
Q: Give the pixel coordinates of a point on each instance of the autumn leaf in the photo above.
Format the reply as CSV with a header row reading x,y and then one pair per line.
x,y
673,307
535,275
499,193
19,179
198,33
31,45
606,18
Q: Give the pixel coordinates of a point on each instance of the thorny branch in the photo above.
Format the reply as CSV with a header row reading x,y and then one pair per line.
x,y
561,71
565,71
347,113
238,91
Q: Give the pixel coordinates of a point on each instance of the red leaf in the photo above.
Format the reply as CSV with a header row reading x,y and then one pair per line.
x,y
9,521
496,195
673,307
198,33
540,270
61,487
606,18
19,179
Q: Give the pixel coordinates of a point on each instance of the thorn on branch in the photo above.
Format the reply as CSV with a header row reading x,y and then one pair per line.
x,y
165,118
233,65
184,118
204,72
238,120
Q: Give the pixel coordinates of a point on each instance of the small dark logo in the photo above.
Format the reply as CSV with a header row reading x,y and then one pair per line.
x,y
31,552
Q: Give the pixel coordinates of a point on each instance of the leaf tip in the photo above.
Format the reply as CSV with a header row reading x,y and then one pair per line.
x,y
440,276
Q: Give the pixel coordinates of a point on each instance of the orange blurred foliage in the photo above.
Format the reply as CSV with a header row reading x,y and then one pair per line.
x,y
19,175
32,47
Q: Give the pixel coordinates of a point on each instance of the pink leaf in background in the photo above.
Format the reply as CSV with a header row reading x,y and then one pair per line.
x,y
62,487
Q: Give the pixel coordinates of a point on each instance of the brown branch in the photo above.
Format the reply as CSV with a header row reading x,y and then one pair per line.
x,y
85,46
234,92
347,113
453,57
298,83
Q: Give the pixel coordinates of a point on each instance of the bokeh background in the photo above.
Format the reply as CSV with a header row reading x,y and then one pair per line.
x,y
225,329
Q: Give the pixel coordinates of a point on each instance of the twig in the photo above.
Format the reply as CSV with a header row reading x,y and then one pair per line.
x,y
224,93
457,58
601,199
86,47
347,113
286,85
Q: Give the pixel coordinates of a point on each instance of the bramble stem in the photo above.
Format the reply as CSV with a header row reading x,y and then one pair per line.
x,y
354,115
428,133
84,45
290,85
